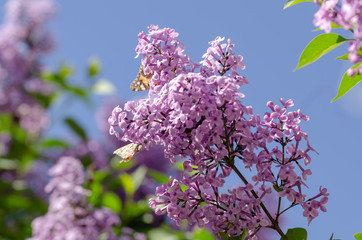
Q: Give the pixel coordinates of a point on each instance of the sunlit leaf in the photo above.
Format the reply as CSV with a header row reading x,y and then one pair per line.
x,y
127,183
319,46
138,176
345,56
94,67
112,201
96,189
203,234
290,3
358,236
347,83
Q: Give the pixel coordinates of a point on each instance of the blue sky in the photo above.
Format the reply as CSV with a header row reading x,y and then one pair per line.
x,y
271,40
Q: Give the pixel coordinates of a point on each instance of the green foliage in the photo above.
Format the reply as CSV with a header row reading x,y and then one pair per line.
x,y
296,234
345,56
202,234
224,236
319,46
61,76
347,83
277,189
112,201
290,3
358,236
53,143
94,67
76,128
159,177
127,183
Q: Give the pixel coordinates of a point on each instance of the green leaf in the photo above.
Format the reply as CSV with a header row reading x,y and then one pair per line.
x,y
100,175
290,3
54,143
103,87
277,189
203,234
319,46
159,177
112,201
76,128
358,236
65,70
347,83
296,234
127,183
96,189
94,67
138,176
224,236
345,56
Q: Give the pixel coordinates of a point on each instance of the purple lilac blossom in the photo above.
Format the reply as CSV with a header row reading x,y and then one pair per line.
x,y
345,13
199,116
23,42
69,215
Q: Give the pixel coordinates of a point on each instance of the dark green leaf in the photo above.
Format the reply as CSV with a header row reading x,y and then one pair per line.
x,y
276,188
54,143
319,46
159,177
297,234
290,3
77,91
347,83
76,128
224,236
358,236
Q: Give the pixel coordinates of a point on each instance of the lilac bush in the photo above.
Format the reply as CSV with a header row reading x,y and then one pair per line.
x,y
69,215
23,42
347,14
194,110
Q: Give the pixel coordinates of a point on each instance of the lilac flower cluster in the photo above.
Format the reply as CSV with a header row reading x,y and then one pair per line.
x,y
69,215
347,14
198,115
23,41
